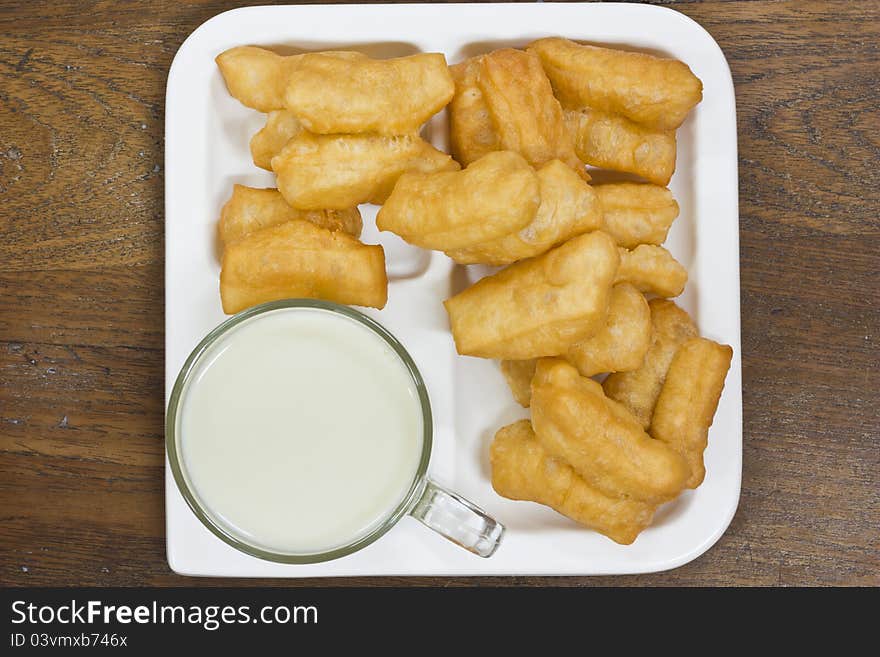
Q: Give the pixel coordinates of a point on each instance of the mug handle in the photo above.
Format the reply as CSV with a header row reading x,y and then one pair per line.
x,y
457,519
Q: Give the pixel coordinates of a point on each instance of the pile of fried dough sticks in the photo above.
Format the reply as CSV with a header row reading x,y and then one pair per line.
x,y
586,284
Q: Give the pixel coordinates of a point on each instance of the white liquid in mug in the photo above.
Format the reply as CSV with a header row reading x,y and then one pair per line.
x,y
300,431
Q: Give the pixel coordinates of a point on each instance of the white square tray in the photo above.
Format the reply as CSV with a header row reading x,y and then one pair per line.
x,y
206,151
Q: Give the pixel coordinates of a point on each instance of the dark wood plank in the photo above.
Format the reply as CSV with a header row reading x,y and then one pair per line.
x,y
82,324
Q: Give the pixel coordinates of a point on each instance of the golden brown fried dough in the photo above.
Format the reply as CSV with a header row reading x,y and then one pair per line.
x,y
637,213
537,307
340,171
518,374
618,346
505,102
688,400
494,196
611,141
250,209
471,133
622,343
653,91
522,470
600,439
569,207
254,76
299,259
281,126
331,94
638,389
652,269
341,92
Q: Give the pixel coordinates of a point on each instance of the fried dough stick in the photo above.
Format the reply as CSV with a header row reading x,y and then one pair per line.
x,y
619,346
256,77
494,196
639,389
537,307
652,269
611,141
569,207
300,259
519,375
504,102
281,126
636,213
337,172
653,91
471,133
599,438
522,470
688,401
622,343
341,92
250,209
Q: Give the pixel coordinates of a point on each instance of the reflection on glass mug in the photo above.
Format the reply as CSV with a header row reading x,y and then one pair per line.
x,y
300,431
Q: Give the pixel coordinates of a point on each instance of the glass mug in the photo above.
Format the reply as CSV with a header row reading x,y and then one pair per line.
x,y
442,510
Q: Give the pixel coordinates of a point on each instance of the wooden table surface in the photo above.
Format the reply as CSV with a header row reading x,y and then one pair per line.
x,y
81,294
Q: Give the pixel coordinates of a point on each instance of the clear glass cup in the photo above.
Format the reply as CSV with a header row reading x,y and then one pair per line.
x,y
439,508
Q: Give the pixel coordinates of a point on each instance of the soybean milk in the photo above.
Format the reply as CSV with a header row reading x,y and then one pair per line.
x,y
300,431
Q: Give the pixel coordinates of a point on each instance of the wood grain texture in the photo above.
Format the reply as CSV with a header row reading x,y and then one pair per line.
x,y
81,295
